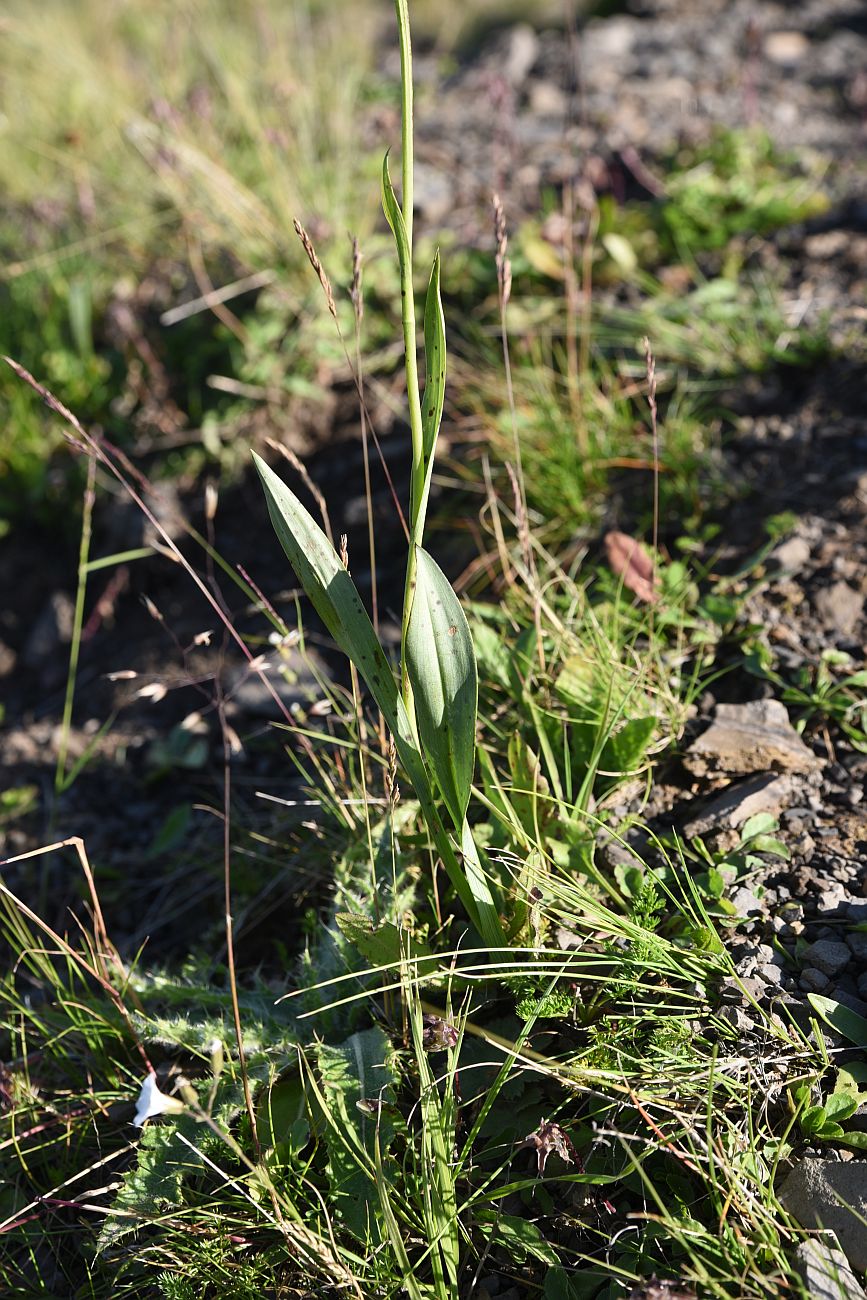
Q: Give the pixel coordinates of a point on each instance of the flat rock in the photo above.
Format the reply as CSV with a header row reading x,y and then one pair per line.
x,y
739,802
819,1194
825,1271
747,738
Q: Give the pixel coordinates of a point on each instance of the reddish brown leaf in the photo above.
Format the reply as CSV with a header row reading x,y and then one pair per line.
x,y
629,560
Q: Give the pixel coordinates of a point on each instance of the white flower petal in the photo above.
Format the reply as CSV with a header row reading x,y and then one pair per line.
x,y
152,1102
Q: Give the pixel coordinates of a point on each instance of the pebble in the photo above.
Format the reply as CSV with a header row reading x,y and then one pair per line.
x,y
813,981
744,902
858,943
828,956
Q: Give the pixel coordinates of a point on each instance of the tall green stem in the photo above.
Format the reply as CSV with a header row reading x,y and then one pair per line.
x,y
409,334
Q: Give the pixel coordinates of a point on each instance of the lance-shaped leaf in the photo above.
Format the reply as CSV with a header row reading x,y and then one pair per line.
x,y
394,217
335,598
329,588
442,669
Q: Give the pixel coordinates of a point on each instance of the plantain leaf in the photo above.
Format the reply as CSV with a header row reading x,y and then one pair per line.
x,y
435,363
442,670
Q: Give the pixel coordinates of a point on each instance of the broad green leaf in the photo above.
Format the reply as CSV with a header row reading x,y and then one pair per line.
x,y
442,670
282,1119
840,1106
846,1022
435,364
335,598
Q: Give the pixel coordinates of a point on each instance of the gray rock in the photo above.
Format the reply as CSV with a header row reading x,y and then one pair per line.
x,y
738,990
849,1000
770,974
840,607
739,802
825,1271
813,981
792,554
828,956
738,1019
862,984
746,738
858,943
745,902
819,1194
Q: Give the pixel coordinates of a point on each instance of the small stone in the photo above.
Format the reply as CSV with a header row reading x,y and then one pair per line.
x,y
752,737
840,607
738,990
737,1019
813,981
828,956
825,1271
786,47
740,801
770,974
793,554
849,1000
858,943
862,984
745,902
522,51
831,1194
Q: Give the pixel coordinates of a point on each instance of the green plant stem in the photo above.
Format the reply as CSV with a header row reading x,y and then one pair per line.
x,y
409,337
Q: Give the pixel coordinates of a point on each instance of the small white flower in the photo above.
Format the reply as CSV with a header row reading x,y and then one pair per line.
x,y
152,1102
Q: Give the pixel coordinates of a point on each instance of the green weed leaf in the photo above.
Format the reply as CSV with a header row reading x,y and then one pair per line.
x,y
442,669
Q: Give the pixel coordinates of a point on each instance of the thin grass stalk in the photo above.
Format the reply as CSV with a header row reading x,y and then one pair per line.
x,y
77,624
230,941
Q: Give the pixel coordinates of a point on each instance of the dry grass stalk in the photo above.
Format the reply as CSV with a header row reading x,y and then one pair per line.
x,y
312,257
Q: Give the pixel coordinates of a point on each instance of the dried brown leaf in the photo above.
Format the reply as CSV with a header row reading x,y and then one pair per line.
x,y
628,559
